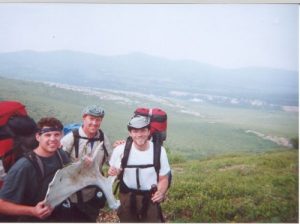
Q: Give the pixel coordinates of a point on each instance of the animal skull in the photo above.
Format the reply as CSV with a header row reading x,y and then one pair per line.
x,y
76,176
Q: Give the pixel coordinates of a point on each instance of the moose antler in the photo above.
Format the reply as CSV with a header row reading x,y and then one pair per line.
x,y
76,176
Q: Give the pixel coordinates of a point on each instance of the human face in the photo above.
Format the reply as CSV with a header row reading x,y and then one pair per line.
x,y
140,137
91,125
49,142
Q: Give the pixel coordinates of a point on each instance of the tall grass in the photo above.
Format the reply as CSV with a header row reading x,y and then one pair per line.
x,y
235,188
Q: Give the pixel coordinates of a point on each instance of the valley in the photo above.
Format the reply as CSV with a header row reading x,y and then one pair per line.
x,y
194,130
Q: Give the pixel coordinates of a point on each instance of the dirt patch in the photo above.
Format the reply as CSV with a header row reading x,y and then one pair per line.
x,y
108,216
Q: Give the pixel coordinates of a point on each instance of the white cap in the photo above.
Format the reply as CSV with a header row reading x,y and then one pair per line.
x,y
138,122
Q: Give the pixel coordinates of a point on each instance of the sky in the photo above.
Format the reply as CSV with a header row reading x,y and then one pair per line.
x,y
224,35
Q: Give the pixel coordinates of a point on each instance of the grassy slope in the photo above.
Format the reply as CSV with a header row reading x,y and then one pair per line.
x,y
221,130
259,187
238,188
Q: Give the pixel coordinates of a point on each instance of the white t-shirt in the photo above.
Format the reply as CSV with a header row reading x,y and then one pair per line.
x,y
147,176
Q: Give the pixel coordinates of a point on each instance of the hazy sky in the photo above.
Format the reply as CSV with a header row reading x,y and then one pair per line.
x,y
225,35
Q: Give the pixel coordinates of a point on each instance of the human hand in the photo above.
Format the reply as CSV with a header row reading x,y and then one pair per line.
x,y
87,161
41,210
113,171
158,197
118,142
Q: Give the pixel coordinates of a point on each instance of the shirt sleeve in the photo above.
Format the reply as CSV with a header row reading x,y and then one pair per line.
x,y
117,156
15,182
164,163
67,143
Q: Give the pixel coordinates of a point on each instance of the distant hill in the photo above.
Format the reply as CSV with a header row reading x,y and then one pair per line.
x,y
153,75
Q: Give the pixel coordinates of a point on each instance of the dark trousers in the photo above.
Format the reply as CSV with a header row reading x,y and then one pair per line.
x,y
125,213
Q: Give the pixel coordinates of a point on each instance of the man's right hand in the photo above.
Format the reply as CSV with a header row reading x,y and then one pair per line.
x,y
41,210
113,171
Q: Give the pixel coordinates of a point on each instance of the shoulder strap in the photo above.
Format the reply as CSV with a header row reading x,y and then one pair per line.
x,y
127,148
37,163
156,155
77,137
76,141
101,138
124,160
60,158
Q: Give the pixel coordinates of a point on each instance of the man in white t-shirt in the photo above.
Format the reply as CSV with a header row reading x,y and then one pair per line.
x,y
138,176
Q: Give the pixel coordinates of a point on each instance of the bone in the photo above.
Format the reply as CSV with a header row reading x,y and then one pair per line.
x,y
76,176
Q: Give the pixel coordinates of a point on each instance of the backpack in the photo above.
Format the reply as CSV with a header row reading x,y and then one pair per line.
x,y
158,133
158,122
17,134
69,127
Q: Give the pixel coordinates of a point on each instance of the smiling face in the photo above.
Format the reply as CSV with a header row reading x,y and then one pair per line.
x,y
91,124
49,142
140,137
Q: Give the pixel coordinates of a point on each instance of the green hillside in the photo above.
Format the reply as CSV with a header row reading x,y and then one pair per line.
x,y
261,187
218,130
221,173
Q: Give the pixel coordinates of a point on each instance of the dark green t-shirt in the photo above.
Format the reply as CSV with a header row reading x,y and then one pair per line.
x,y
24,185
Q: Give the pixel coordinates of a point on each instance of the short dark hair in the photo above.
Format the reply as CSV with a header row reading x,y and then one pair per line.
x,y
51,122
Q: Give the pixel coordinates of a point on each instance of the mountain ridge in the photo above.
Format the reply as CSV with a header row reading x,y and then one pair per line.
x,y
151,74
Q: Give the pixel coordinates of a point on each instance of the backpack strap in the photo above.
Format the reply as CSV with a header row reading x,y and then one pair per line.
x,y
157,151
156,159
156,156
76,141
101,138
37,164
60,158
77,137
127,149
124,160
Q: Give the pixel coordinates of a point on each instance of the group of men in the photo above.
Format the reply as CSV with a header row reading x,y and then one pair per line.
x,y
22,195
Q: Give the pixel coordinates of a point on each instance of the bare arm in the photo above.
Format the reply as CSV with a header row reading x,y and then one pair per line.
x,y
162,189
40,210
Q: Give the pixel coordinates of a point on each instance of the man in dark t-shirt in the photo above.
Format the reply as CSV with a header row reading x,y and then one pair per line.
x,y
22,195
